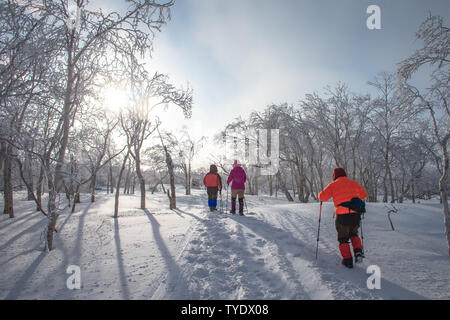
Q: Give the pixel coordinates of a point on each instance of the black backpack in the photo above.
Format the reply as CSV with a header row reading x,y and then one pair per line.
x,y
356,204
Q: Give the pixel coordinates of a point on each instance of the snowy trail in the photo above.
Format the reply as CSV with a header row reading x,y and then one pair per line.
x,y
227,258
191,253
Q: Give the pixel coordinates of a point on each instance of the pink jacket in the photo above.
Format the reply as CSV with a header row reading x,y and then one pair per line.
x,y
238,177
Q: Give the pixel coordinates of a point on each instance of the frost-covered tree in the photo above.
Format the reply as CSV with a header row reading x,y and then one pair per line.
x,y
434,99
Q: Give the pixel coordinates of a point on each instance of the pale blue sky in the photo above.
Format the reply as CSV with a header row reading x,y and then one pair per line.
x,y
241,55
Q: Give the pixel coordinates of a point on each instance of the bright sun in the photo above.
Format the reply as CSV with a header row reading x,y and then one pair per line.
x,y
115,99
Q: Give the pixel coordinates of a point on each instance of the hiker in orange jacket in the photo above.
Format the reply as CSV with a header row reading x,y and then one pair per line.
x,y
213,184
343,190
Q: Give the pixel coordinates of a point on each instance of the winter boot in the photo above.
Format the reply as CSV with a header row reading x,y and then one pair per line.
x,y
357,249
348,262
359,255
241,207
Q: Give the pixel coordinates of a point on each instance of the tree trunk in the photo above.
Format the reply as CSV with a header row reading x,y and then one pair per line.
x,y
93,185
391,184
65,117
127,180
186,180
111,177
270,178
141,184
39,188
140,176
7,183
443,191
76,198
283,187
116,201
108,183
172,195
52,214
29,175
189,179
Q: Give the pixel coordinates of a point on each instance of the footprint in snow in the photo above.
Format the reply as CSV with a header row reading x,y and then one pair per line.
x,y
261,242
200,272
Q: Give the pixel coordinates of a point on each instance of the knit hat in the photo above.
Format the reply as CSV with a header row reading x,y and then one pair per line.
x,y
236,164
338,172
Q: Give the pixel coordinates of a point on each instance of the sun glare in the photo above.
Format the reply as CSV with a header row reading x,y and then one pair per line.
x,y
114,99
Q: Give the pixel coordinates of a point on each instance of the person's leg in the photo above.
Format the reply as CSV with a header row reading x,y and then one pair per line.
x,y
210,198
344,246
241,201
356,243
233,201
214,198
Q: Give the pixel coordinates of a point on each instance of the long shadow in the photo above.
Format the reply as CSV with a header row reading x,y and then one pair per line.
x,y
20,254
174,276
75,257
276,278
270,233
20,283
15,220
181,212
70,215
122,273
78,246
389,289
250,273
28,230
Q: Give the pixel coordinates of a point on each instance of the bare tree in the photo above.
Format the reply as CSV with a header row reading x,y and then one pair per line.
x,y
434,99
187,149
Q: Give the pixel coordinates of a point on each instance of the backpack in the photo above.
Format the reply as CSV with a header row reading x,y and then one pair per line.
x,y
356,204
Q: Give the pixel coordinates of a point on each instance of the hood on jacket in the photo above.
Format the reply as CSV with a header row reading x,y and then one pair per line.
x,y
213,168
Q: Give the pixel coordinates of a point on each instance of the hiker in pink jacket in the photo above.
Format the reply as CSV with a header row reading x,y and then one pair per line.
x,y
237,179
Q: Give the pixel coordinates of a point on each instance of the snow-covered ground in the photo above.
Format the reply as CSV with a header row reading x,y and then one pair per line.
x,y
190,253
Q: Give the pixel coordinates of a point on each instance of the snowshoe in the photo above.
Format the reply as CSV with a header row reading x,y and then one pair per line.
x,y
348,262
233,211
241,212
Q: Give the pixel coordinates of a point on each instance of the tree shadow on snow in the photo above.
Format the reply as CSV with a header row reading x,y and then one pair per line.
x,y
21,283
122,274
174,276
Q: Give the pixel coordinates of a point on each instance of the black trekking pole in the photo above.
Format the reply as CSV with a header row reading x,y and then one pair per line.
x,y
226,210
318,230
362,236
221,202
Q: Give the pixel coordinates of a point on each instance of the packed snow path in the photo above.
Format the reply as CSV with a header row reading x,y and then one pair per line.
x,y
191,253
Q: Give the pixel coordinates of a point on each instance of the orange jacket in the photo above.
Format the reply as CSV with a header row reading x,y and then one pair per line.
x,y
341,190
212,180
